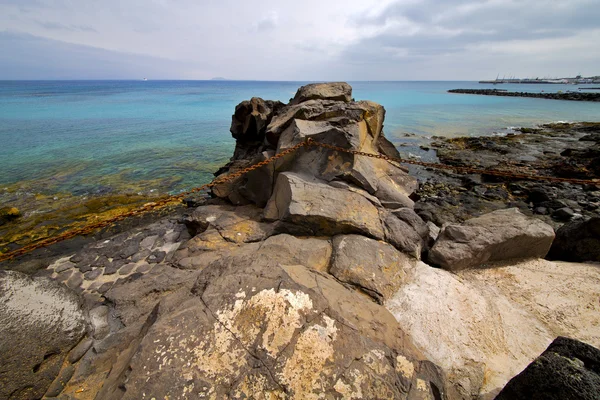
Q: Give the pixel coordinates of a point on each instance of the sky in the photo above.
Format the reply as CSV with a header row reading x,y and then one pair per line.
x,y
307,40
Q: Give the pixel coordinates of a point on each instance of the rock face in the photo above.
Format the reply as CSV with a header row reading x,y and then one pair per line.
x,y
484,326
327,114
499,235
340,91
577,241
40,321
568,369
375,267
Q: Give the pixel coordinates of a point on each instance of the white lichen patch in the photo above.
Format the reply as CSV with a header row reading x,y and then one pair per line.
x,y
375,359
257,387
277,314
303,371
405,367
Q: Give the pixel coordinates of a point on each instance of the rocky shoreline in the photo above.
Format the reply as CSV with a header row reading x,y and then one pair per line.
x,y
325,275
573,96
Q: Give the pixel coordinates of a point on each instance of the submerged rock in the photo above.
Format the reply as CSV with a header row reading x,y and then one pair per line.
x,y
499,235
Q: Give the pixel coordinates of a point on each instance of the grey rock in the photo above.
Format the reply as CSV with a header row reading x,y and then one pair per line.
x,y
376,267
41,322
63,276
75,281
143,268
61,381
83,268
80,350
156,257
141,255
93,274
111,269
128,251
499,235
339,91
126,269
148,242
99,320
64,266
540,210
563,214
403,236
317,208
433,231
105,287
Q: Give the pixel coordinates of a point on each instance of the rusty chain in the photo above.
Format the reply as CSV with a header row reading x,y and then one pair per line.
x,y
171,200
461,170
90,228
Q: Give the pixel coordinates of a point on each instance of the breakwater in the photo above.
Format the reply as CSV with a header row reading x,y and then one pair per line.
x,y
573,96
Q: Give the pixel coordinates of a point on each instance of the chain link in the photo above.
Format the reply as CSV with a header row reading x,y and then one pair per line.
x,y
462,170
171,200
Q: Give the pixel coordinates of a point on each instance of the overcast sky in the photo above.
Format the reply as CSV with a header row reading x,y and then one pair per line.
x,y
298,40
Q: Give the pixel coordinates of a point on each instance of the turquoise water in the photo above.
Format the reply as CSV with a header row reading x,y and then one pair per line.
x,y
105,136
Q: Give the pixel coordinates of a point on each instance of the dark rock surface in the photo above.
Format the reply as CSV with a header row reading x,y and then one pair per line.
x,y
575,96
568,369
577,241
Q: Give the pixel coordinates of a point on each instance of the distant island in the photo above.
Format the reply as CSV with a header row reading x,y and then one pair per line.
x,y
219,78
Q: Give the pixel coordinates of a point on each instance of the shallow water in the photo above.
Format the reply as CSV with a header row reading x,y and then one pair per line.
x,y
95,137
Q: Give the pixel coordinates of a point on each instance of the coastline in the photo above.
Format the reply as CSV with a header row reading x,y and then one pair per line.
x,y
570,96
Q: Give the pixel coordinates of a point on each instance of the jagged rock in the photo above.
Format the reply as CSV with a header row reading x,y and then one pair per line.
x,y
499,235
234,224
568,369
493,322
403,236
339,91
40,322
374,266
255,328
577,241
319,209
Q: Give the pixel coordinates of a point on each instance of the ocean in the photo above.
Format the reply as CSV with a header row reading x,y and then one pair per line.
x,y
97,137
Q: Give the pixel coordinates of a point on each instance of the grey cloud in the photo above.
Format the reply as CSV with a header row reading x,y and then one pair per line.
x,y
62,27
451,26
59,60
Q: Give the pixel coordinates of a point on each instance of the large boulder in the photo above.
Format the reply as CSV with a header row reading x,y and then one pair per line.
x,y
577,241
568,369
484,326
254,328
373,266
40,321
307,206
339,91
499,235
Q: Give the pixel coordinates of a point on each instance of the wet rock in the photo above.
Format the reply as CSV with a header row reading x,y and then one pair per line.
x,y
41,322
93,274
80,350
156,257
500,235
317,208
9,214
577,241
563,214
127,268
61,381
568,369
339,91
374,266
99,320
